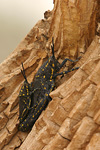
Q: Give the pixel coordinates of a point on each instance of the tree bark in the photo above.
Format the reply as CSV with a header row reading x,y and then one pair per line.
x,y
71,121
73,26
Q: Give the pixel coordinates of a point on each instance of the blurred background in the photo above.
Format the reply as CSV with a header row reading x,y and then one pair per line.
x,y
17,17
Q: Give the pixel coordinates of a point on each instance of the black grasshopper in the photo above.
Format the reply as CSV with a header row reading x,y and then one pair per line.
x,y
34,97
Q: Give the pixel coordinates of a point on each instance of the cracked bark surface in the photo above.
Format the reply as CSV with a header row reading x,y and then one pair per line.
x,y
72,119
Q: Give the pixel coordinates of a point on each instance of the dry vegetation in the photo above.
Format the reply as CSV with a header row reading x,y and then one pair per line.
x,y
72,119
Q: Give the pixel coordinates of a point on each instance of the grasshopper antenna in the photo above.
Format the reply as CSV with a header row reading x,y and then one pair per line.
x,y
52,47
23,72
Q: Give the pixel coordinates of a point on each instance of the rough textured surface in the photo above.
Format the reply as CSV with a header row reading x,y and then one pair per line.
x,y
32,54
72,119
73,26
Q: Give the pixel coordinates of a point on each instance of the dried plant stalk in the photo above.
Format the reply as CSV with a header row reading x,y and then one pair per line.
x,y
72,118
